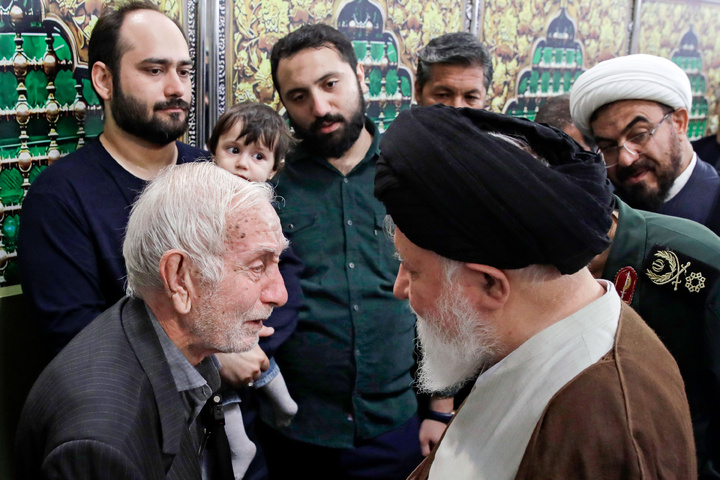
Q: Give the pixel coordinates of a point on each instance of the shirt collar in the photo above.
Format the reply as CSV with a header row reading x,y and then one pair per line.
x,y
196,383
682,179
303,154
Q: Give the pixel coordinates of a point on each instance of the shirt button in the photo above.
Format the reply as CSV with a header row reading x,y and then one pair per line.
x,y
351,265
356,307
349,222
357,352
345,180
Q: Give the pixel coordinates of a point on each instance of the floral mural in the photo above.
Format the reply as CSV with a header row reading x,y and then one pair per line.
x,y
48,106
256,25
512,28
80,16
662,28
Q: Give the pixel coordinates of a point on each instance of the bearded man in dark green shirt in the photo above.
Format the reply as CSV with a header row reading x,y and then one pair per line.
x,y
349,363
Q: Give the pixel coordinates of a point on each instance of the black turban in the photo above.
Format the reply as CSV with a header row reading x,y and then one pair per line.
x,y
453,188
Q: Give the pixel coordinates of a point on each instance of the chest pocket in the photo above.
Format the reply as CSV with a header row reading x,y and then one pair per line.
x,y
305,235
294,223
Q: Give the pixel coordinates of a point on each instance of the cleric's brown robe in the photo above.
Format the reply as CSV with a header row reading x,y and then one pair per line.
x,y
624,417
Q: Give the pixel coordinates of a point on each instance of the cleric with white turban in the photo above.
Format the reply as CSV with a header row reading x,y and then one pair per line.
x,y
633,77
638,110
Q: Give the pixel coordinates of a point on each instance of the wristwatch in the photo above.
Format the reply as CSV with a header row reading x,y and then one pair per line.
x,y
439,416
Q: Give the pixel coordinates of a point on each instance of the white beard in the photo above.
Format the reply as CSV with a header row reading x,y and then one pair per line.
x,y
226,331
452,356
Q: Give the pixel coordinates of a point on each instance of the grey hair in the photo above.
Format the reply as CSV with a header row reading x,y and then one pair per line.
x,y
186,207
451,269
521,144
555,111
534,275
460,48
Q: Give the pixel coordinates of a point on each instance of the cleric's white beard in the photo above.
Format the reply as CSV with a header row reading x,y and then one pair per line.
x,y
450,357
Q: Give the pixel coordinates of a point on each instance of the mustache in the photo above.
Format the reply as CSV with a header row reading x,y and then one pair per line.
x,y
172,103
638,166
327,118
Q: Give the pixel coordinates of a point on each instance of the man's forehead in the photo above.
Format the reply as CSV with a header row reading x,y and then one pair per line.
x,y
326,50
438,71
258,227
402,242
148,29
621,108
328,54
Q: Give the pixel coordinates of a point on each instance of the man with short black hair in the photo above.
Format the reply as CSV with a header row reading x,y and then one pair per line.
x,y
454,69
637,109
349,363
494,234
75,212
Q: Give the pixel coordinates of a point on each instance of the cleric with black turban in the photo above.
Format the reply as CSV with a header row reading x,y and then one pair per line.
x,y
454,188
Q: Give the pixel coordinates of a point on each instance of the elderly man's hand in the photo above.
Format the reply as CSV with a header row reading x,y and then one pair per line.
x,y
239,369
430,433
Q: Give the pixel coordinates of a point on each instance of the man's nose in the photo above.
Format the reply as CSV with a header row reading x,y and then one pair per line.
x,y
459,102
274,292
400,289
627,155
175,84
321,106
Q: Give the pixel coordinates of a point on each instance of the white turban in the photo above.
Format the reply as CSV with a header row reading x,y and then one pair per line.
x,y
633,77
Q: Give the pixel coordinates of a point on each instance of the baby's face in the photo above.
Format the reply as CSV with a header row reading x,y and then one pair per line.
x,y
253,162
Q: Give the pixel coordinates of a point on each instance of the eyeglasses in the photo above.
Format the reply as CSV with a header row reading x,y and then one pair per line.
x,y
612,154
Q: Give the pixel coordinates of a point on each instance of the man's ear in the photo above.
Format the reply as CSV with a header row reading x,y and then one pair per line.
x,y
493,286
102,80
418,93
681,120
360,72
178,282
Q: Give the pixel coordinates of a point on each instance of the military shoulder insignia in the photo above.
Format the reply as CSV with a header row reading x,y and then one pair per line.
x,y
625,283
681,273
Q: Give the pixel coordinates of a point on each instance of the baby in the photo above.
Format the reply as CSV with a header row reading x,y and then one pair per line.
x,y
251,140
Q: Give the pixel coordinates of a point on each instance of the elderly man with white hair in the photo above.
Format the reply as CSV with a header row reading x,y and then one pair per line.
x,y
637,109
124,398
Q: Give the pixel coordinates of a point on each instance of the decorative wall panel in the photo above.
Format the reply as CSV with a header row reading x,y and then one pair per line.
x,y
539,47
386,34
47,105
686,32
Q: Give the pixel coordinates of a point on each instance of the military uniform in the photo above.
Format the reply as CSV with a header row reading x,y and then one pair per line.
x,y
667,269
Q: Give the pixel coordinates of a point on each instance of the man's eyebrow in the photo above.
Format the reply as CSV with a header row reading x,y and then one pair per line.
x,y
633,122
403,260
165,61
316,81
451,89
269,249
